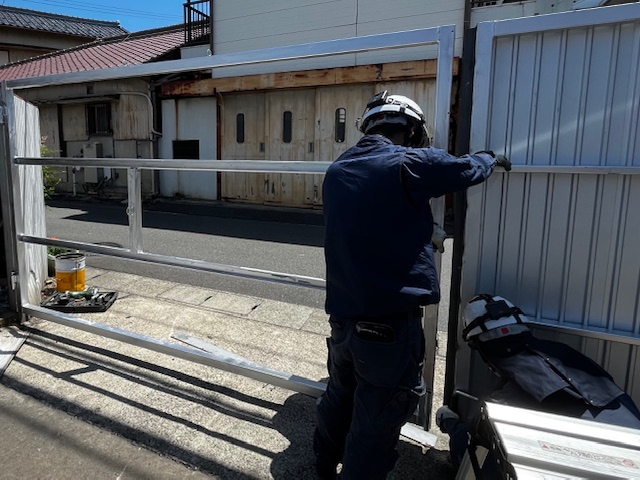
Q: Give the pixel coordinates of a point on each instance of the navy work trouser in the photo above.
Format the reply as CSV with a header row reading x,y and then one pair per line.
x,y
375,383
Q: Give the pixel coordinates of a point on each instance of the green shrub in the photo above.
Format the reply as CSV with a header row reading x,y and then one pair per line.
x,y
58,250
50,175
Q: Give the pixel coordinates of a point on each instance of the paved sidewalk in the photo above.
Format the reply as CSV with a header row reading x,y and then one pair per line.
x,y
77,405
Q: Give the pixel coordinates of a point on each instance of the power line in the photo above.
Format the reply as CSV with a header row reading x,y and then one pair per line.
x,y
123,12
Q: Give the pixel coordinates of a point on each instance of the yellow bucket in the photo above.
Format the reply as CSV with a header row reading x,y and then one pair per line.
x,y
70,272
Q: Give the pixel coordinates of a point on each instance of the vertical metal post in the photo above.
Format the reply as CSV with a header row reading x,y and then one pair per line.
x,y
12,209
444,79
211,45
482,77
460,211
134,209
6,197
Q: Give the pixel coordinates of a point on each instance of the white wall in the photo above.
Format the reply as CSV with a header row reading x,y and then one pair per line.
x,y
189,119
527,8
255,24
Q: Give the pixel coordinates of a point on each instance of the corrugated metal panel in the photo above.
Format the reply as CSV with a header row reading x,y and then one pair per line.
x,y
25,133
562,246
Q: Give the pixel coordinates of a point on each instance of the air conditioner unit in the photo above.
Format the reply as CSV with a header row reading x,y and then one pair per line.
x,y
91,150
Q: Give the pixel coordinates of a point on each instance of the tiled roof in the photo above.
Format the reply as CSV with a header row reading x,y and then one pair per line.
x,y
51,22
132,49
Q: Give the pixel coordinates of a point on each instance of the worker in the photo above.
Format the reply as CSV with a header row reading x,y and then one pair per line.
x,y
380,271
537,374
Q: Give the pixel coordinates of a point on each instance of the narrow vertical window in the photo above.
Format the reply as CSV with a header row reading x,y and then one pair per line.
x,y
340,125
240,128
287,127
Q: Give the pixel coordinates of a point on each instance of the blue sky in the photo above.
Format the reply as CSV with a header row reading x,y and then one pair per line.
x,y
133,15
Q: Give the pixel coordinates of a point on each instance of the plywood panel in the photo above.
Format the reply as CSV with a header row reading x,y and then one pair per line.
x,y
289,189
243,186
354,100
131,118
74,119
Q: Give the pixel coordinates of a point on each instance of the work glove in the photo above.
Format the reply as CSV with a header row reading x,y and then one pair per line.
x,y
503,162
437,238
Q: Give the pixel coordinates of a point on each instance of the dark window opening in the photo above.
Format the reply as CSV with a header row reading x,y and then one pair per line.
x,y
99,119
287,127
340,125
186,149
240,128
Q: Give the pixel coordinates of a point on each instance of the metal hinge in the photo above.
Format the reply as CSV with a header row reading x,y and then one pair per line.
x,y
15,278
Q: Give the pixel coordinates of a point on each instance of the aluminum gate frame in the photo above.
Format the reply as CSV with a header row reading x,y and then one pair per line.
x,y
488,35
443,37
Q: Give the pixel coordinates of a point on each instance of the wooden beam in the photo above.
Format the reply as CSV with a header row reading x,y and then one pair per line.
x,y
386,72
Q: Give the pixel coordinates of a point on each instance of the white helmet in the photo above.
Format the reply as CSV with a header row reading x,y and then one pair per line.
x,y
384,109
488,317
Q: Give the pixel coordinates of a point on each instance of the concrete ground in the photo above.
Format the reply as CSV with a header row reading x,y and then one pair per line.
x,y
78,405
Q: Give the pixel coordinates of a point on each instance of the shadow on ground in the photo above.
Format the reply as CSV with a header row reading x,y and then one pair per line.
x,y
66,385
296,421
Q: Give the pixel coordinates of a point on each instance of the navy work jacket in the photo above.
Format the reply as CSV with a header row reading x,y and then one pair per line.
x,y
554,377
378,222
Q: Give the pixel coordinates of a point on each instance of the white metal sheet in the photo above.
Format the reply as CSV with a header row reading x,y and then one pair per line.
x,y
562,445
558,235
24,131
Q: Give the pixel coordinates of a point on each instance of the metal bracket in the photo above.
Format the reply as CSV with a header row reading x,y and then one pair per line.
x,y
15,279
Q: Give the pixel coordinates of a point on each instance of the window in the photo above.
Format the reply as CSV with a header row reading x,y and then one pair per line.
x,y
186,149
340,125
99,119
287,127
240,128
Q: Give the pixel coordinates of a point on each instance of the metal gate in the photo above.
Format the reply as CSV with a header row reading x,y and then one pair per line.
x,y
15,161
558,235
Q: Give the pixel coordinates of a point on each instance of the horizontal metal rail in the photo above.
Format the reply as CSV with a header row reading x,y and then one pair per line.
x,y
257,372
201,265
292,166
588,332
211,357
576,169
555,21
328,48
250,166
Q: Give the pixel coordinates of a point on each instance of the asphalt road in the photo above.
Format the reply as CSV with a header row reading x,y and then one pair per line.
x,y
285,241
279,240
